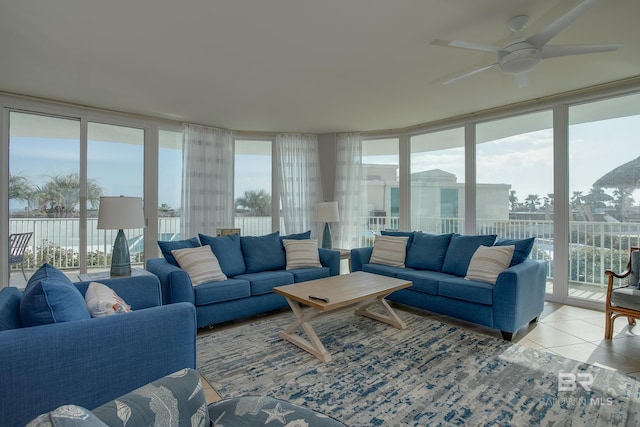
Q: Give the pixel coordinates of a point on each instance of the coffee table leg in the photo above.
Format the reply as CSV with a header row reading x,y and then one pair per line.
x,y
391,316
313,344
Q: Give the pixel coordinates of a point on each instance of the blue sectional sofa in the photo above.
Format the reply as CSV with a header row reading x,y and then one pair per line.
x,y
92,361
253,266
437,266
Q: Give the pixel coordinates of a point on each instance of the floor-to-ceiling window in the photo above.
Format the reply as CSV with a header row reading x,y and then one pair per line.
x,y
604,189
437,168
169,184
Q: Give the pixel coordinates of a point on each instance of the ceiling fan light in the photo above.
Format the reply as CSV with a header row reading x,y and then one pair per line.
x,y
519,61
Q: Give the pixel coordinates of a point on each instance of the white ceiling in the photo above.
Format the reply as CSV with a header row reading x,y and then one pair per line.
x,y
312,66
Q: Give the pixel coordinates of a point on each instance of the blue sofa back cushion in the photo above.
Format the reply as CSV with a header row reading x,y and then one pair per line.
x,y
10,308
263,253
408,234
427,251
522,248
297,236
51,298
228,251
461,249
167,246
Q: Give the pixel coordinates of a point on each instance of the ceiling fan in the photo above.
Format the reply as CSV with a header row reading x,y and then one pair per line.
x,y
521,55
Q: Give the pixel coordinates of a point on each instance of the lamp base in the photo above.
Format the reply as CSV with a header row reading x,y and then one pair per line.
x,y
120,259
327,239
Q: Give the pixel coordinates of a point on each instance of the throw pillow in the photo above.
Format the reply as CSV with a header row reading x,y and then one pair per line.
x,y
301,253
228,251
200,264
488,262
263,253
461,249
427,251
408,234
522,248
634,277
103,301
51,298
297,236
389,250
166,246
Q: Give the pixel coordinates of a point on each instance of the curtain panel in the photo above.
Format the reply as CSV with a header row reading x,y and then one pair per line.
x,y
349,191
298,175
207,180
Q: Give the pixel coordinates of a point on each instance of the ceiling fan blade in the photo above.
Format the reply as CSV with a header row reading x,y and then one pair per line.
x,y
468,74
566,50
522,79
543,37
465,45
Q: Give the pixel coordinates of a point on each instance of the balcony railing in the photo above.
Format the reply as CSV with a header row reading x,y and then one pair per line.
x,y
593,246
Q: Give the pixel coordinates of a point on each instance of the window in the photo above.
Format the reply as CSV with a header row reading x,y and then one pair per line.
x,y
252,186
437,181
169,184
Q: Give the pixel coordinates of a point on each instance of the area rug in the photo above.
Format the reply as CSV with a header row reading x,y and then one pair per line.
x,y
431,373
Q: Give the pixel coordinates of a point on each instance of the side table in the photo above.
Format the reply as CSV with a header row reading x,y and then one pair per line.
x,y
345,254
101,275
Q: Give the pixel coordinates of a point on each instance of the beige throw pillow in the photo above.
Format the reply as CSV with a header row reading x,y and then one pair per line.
x,y
200,263
488,262
389,250
103,301
301,253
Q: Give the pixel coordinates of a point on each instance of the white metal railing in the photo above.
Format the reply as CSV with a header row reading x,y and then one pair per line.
x,y
593,246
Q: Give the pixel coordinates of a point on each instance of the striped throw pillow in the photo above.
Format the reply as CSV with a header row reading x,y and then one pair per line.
x,y
389,250
200,263
488,262
301,253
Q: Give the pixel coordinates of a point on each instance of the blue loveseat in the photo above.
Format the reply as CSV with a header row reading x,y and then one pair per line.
x,y
437,266
92,361
253,265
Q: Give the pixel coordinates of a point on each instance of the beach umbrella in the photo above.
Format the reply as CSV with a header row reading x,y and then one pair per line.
x,y
624,176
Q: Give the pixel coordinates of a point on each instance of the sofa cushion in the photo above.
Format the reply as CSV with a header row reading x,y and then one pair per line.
x,y
264,282
466,290
228,251
461,249
166,246
227,290
263,253
408,234
522,248
51,298
627,297
427,251
424,281
301,253
385,270
488,262
304,274
389,250
200,263
634,276
103,301
10,308
297,236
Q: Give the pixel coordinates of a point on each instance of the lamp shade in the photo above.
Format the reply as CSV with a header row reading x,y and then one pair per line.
x,y
327,212
118,213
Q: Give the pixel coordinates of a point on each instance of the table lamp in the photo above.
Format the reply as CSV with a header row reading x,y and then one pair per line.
x,y
327,212
118,213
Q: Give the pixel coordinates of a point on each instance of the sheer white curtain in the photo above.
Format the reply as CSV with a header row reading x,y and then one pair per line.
x,y
298,175
349,191
207,181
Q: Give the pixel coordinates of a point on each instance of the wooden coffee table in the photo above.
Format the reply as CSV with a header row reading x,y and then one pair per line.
x,y
359,289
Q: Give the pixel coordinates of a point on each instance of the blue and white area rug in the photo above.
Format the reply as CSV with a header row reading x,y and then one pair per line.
x,y
428,374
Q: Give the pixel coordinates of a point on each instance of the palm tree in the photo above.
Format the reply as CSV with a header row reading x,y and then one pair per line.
x,y
20,189
60,196
532,201
622,200
513,200
255,203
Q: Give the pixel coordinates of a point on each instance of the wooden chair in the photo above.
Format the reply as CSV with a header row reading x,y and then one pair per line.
x,y
17,245
622,300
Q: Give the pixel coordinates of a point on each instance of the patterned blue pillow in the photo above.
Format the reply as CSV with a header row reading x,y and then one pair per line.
x,y
228,251
522,250
263,253
166,246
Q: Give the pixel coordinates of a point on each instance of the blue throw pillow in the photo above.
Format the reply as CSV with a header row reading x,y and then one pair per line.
x,y
522,250
427,251
461,249
166,246
263,253
297,236
228,251
51,298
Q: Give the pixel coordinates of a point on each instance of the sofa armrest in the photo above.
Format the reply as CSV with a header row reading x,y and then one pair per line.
x,y
360,257
330,258
137,291
518,296
175,282
90,362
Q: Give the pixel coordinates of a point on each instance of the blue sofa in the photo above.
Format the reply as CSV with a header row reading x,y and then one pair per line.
x,y
254,265
437,266
92,361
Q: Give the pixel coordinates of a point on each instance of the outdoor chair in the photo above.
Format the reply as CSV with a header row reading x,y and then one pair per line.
x,y
623,300
17,245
